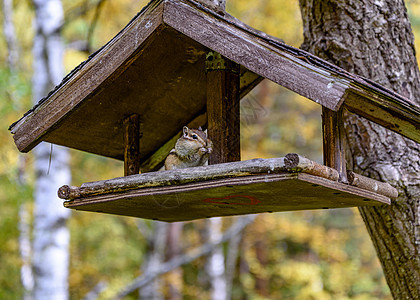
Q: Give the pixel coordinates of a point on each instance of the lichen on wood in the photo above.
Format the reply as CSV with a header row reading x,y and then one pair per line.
x,y
174,177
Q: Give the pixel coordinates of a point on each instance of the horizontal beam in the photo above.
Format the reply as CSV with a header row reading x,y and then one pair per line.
x,y
400,117
256,54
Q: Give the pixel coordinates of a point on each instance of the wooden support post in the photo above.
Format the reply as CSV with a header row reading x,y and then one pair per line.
x,y
131,126
334,142
223,112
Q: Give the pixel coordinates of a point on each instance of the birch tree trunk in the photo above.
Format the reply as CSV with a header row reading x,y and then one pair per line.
x,y
25,247
154,260
9,34
174,279
216,261
51,236
374,39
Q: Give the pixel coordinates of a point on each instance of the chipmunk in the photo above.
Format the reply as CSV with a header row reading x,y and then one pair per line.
x,y
192,149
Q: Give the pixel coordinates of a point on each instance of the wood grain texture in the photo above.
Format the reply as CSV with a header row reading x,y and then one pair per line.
x,y
292,163
230,196
393,115
366,183
131,145
296,163
177,177
255,54
334,142
223,112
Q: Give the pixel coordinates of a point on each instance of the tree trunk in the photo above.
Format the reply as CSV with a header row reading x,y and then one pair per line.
x,y
51,236
153,261
174,279
215,266
9,35
374,39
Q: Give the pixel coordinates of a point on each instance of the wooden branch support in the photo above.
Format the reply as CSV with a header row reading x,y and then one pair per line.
x,y
372,185
174,177
223,95
334,142
295,163
131,126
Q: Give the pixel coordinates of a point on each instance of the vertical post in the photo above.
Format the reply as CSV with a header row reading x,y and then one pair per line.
x,y
131,126
223,108
334,142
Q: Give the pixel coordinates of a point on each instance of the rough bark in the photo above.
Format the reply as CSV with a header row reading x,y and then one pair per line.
x,y
374,39
51,236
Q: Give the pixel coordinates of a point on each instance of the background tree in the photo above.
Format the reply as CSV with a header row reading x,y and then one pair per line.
x,y
51,235
374,39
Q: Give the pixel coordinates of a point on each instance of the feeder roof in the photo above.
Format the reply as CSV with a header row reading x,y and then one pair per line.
x,y
155,67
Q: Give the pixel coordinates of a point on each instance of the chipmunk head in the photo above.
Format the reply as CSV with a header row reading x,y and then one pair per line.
x,y
197,136
193,140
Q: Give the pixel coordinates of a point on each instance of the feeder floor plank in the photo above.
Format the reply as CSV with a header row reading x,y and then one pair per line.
x,y
230,196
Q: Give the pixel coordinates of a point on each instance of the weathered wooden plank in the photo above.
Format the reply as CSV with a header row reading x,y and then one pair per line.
x,y
292,163
28,132
400,117
223,111
334,141
175,177
230,196
256,54
131,145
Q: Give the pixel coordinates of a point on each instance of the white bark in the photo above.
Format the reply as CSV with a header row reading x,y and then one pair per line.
x,y
231,258
153,262
51,236
25,249
9,34
216,261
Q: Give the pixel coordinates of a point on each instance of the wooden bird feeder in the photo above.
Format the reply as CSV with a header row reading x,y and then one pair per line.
x,y
179,63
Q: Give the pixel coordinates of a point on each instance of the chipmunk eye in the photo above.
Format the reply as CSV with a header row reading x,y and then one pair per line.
x,y
194,136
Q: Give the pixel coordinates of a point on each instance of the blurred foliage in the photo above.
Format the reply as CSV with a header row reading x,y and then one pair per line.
x,y
298,255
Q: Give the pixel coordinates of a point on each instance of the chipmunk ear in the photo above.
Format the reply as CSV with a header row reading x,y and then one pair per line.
x,y
205,132
185,130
